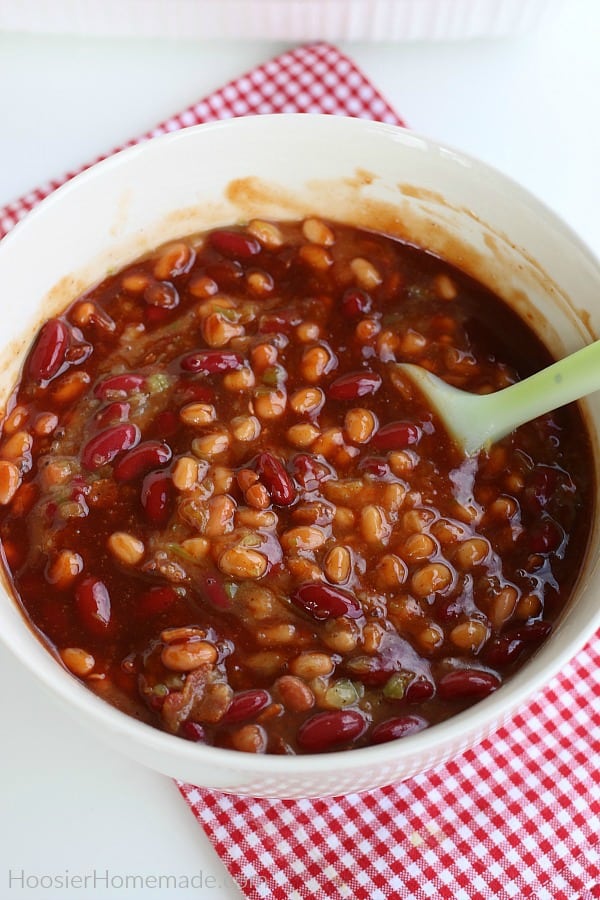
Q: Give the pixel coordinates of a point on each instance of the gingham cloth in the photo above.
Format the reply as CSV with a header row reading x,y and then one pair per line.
x,y
516,817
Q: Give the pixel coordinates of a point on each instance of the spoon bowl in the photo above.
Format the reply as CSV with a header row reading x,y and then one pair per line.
x,y
475,421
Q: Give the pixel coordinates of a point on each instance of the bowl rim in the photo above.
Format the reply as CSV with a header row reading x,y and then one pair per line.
x,y
481,718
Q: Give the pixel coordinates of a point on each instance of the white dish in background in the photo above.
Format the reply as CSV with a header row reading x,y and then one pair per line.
x,y
182,183
283,20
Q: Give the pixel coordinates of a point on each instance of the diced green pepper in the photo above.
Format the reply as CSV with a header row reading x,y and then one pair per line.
x,y
396,685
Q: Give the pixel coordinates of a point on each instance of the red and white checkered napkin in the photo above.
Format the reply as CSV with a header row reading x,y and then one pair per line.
x,y
518,816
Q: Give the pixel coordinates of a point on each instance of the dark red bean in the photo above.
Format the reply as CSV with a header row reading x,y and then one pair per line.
x,y
194,392
534,632
396,436
449,610
48,354
114,412
105,446
156,601
329,729
356,303
418,691
545,536
211,587
156,496
120,385
246,705
462,684
141,459
508,647
375,466
542,485
161,294
226,273
212,362
311,471
354,385
93,605
276,480
193,732
400,727
370,670
321,601
234,244
503,650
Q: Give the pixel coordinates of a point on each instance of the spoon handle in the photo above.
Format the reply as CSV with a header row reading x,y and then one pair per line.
x,y
568,379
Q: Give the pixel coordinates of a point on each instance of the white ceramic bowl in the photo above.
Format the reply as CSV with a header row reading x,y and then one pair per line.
x,y
351,170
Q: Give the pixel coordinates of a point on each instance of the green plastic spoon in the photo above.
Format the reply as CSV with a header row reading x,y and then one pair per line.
x,y
475,421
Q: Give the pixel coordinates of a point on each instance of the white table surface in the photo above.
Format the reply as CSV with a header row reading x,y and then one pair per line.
x,y
528,105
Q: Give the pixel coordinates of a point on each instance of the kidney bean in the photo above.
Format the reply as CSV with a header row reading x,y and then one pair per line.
x,y
193,732
462,684
155,601
375,466
141,459
321,601
212,588
156,497
194,392
246,705
419,690
396,436
356,302
542,485
212,362
449,610
114,412
278,483
354,385
545,536
372,671
93,605
105,446
534,632
508,647
48,354
400,727
310,471
126,383
234,244
328,729
224,273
